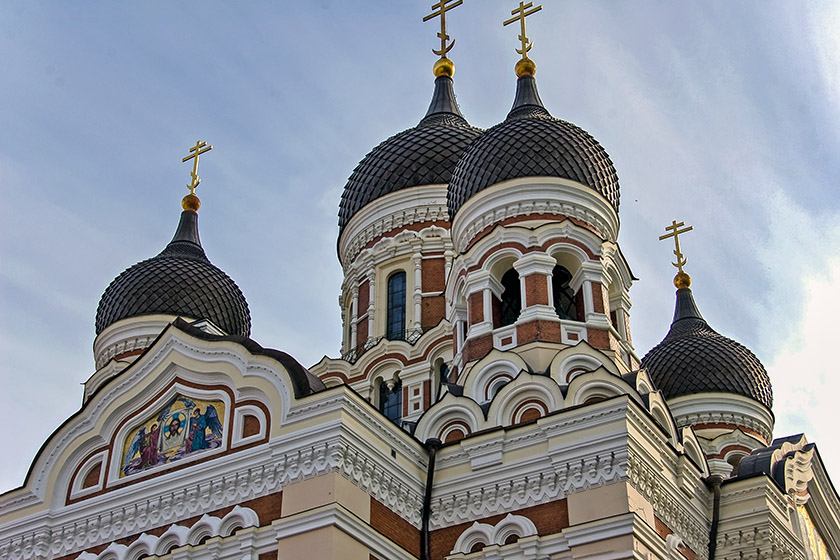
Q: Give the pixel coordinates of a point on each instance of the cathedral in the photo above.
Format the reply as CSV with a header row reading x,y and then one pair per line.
x,y
488,401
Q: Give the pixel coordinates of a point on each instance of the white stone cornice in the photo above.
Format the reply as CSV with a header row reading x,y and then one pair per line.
x,y
235,478
126,335
722,408
535,263
533,196
413,205
338,516
337,400
668,504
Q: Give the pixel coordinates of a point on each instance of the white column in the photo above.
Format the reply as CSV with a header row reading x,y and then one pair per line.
x,y
354,311
418,288
529,265
482,282
589,274
371,305
448,257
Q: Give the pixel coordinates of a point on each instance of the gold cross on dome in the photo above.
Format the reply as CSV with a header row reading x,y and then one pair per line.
x,y
442,7
675,230
199,148
520,14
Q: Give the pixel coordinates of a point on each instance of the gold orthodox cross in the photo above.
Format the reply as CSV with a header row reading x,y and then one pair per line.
x,y
520,14
675,230
442,7
199,148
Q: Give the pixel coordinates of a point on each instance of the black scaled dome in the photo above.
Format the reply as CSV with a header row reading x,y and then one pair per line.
x,y
532,143
693,358
423,155
179,281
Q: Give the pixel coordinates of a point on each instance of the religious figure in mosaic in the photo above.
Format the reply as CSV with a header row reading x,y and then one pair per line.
x,y
184,426
199,423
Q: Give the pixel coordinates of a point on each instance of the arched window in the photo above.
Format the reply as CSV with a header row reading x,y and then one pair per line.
x,y
390,401
511,299
564,297
396,307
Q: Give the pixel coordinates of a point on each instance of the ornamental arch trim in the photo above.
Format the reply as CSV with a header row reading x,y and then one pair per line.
x,y
598,384
488,535
482,374
525,388
582,356
446,412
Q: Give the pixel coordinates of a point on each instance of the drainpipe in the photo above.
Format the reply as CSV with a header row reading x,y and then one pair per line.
x,y
431,445
714,481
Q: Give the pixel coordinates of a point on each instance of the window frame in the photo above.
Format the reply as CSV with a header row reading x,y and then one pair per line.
x,y
396,302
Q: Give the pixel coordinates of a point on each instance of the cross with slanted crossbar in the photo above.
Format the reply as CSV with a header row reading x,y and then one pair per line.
x,y
520,14
675,230
442,7
199,148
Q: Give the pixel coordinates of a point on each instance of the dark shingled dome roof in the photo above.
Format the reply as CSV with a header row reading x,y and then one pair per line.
x,y
532,143
179,281
423,155
693,358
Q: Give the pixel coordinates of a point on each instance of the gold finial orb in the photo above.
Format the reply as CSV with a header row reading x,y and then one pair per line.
x,y
444,67
191,202
525,67
682,280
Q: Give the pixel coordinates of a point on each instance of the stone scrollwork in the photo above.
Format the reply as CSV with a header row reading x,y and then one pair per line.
x,y
130,518
528,490
648,482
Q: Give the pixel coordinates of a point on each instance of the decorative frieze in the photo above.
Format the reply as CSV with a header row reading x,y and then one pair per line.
x,y
758,543
667,504
92,524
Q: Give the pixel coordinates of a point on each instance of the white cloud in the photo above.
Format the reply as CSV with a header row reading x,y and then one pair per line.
x,y
800,312
805,371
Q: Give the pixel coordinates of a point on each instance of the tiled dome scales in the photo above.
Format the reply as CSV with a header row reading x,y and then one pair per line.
x,y
711,382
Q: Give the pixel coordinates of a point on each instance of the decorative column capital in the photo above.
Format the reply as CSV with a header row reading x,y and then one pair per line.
x,y
535,263
482,280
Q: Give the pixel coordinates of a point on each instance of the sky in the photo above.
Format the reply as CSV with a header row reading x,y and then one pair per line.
x,y
721,114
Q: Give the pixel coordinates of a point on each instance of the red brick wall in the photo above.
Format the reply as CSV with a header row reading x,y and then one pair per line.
x,y
478,347
476,308
361,333
432,272
536,290
496,306
597,297
598,338
394,527
364,298
549,518
250,425
548,331
433,310
92,477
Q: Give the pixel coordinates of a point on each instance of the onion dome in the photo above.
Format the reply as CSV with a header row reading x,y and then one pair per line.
x,y
423,155
532,143
693,358
179,281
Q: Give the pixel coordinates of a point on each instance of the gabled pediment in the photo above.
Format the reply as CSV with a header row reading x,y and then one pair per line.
x,y
190,397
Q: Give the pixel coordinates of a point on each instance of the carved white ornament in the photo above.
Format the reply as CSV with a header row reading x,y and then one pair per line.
x,y
483,533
